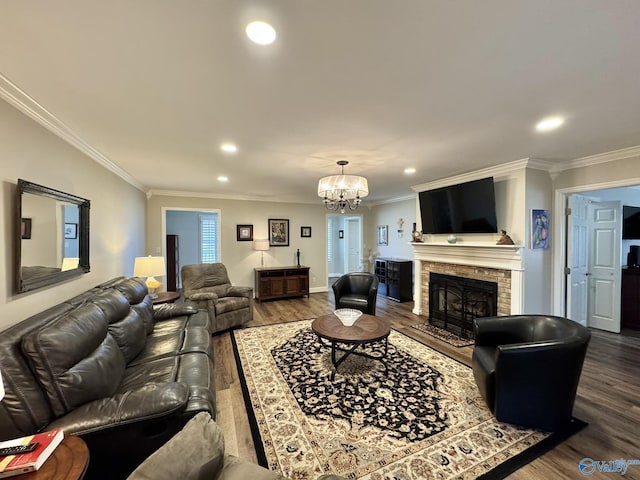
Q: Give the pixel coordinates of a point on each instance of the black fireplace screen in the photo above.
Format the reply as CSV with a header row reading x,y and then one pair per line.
x,y
455,301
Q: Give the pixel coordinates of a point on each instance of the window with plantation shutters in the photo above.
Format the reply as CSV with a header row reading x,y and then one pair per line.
x,y
330,241
209,241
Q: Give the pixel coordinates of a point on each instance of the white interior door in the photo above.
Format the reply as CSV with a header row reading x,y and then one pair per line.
x,y
353,242
604,265
578,259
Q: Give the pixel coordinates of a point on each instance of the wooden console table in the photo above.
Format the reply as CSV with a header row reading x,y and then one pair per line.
x,y
281,282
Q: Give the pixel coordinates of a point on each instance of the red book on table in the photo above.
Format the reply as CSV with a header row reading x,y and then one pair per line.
x,y
28,462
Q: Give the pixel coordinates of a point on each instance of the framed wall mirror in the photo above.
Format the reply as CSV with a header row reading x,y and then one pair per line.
x,y
52,236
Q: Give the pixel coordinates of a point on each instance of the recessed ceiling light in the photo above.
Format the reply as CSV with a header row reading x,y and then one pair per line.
x,y
409,170
223,178
261,33
550,123
228,147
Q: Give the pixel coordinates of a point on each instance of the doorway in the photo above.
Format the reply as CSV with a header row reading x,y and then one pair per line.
x,y
344,245
590,253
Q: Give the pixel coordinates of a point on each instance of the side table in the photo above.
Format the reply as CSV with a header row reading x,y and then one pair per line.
x,y
166,297
69,461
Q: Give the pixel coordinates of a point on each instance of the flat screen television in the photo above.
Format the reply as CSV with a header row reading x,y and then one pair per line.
x,y
630,222
468,207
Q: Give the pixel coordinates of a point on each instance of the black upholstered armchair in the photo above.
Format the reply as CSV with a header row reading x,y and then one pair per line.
x,y
357,290
527,367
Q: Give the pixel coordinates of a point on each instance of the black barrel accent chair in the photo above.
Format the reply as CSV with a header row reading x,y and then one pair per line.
x,y
527,368
357,290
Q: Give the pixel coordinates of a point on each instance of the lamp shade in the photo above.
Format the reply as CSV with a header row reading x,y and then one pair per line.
x,y
149,267
261,245
347,186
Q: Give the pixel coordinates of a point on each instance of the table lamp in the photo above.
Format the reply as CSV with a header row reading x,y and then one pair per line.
x,y
150,267
261,246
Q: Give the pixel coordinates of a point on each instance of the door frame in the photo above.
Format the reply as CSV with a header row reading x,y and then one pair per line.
x,y
559,245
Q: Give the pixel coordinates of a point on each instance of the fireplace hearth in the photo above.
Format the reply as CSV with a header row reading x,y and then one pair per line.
x,y
455,301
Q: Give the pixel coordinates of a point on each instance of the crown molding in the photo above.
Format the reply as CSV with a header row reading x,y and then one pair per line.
x,y
221,196
501,170
26,104
606,157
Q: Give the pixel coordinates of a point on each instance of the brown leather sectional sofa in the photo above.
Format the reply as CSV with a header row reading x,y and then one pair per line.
x,y
110,368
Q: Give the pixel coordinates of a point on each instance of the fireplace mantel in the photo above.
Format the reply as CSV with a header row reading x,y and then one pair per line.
x,y
487,255
507,257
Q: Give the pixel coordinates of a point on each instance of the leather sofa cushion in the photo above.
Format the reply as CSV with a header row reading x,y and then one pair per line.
x,y
171,343
74,358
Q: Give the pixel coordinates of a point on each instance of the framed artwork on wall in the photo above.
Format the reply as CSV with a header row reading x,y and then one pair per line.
x,y
539,228
278,232
383,238
244,233
70,230
305,232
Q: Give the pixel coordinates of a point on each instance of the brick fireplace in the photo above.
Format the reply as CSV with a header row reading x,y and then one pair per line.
x,y
501,264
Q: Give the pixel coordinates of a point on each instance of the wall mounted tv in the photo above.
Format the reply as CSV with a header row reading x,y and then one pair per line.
x,y
630,222
468,207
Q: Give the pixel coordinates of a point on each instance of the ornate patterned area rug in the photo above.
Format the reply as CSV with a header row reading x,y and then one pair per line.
x,y
442,334
422,418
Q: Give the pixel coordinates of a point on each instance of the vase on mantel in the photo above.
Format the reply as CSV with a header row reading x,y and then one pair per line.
x,y
452,239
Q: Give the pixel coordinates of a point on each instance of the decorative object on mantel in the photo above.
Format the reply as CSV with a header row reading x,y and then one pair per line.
x,y
452,239
504,239
341,191
400,225
416,236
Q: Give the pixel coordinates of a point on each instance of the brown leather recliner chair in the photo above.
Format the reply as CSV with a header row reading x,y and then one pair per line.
x,y
357,290
207,286
527,367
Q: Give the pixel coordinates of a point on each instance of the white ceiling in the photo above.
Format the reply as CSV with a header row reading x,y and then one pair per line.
x,y
445,86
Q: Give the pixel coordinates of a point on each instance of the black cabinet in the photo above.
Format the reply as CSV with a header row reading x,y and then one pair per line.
x,y
173,263
631,298
395,278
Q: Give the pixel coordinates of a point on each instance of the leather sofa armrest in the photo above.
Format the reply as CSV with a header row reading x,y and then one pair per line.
x,y
148,402
170,310
203,296
239,292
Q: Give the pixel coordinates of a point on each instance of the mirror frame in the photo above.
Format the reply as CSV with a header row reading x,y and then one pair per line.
x,y
84,206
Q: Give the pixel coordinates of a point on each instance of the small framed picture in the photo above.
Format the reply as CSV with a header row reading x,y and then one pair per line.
x,y
539,228
383,238
244,233
340,233
305,232
70,230
278,232
25,228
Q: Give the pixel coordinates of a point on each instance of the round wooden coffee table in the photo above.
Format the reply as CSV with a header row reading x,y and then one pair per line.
x,y
367,330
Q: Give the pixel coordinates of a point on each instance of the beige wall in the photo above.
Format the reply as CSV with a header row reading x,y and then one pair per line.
x,y
389,214
239,257
626,170
31,152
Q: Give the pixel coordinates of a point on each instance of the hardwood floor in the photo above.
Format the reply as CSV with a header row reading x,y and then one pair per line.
x,y
608,394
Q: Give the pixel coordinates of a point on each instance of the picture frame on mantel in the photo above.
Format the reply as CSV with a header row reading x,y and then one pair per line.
x,y
278,232
383,235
